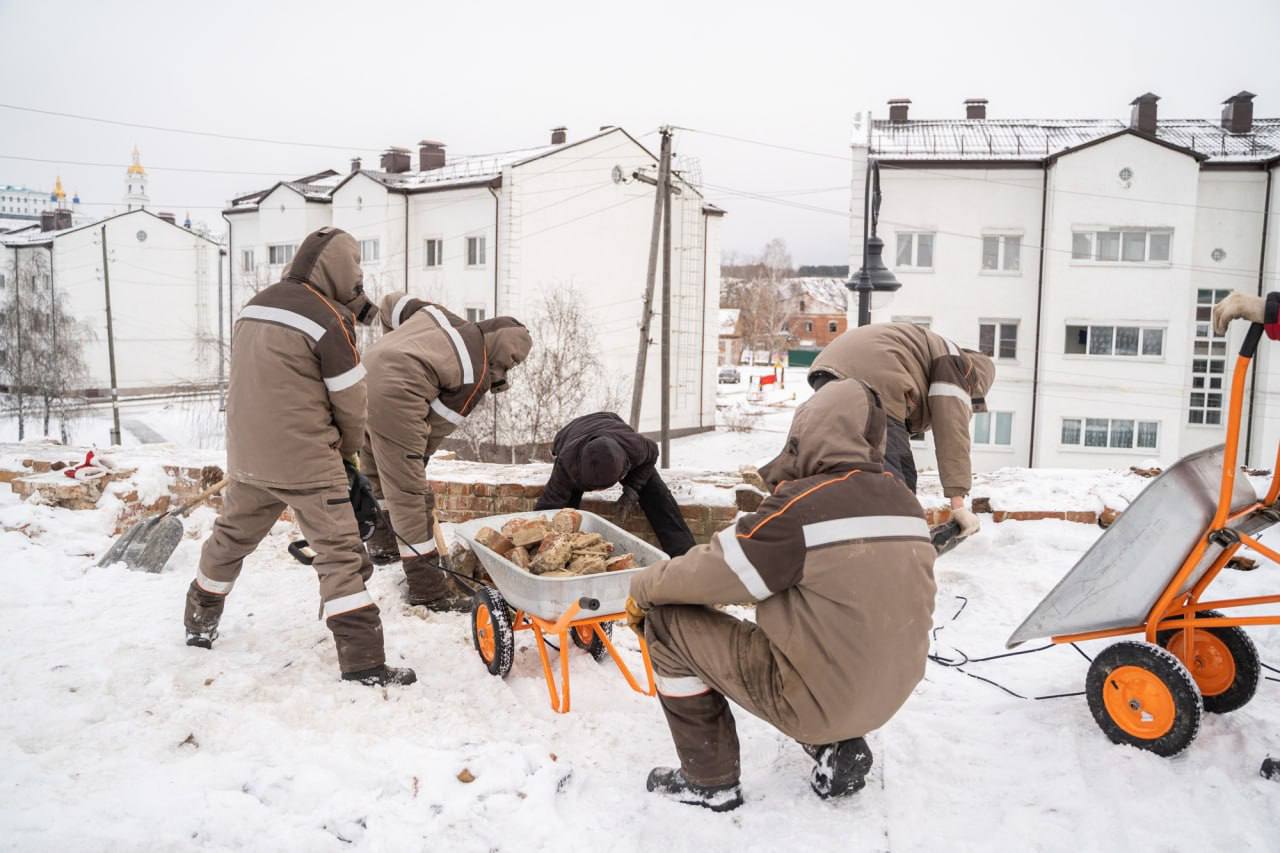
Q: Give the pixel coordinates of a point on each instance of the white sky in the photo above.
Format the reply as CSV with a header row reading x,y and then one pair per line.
x,y
498,75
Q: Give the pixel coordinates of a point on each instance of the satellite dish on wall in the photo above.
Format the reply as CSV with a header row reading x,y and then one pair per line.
x,y
619,175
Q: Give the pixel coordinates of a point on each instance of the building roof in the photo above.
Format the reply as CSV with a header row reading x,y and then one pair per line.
x,y
35,237
729,321
827,291
1033,140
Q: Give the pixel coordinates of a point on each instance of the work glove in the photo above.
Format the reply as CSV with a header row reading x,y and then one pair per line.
x,y
968,522
363,503
635,616
629,501
1238,306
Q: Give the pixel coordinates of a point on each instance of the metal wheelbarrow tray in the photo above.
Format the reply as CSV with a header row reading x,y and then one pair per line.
x,y
1148,574
579,609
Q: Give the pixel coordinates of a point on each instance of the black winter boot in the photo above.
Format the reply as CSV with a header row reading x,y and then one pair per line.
x,y
671,783
202,639
381,676
431,588
382,545
839,768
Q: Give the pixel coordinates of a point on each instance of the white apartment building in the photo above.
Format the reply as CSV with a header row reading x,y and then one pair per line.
x,y
1084,256
494,234
164,296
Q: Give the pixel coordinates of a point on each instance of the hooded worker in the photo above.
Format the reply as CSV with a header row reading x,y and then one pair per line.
x,y
925,382
596,451
839,565
295,411
427,373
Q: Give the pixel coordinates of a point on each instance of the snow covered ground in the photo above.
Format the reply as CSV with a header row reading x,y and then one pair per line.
x,y
116,736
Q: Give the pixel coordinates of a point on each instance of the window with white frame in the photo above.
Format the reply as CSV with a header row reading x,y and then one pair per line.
x,y
433,252
808,325
475,315
475,251
1123,245
1112,433
994,429
1002,252
1208,362
246,260
1123,341
998,338
370,251
281,253
915,249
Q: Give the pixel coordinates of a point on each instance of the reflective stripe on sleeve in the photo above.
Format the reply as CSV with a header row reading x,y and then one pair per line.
x,y
343,381
447,413
395,312
347,603
947,389
308,327
208,584
459,345
679,687
420,549
865,527
737,560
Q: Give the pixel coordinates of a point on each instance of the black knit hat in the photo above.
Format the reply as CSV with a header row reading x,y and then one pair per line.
x,y
602,463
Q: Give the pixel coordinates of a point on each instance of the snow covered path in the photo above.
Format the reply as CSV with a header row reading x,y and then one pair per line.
x,y
116,736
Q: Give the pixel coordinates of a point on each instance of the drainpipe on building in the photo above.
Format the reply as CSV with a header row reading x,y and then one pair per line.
x,y
231,283
1035,359
1262,269
406,242
702,350
496,219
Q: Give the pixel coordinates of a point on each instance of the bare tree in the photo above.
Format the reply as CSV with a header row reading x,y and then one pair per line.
x,y
776,260
46,361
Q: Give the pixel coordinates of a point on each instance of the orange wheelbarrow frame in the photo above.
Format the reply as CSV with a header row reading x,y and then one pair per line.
x,y
1175,609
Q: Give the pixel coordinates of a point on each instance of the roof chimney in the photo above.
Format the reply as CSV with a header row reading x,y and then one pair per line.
x,y
61,219
1143,115
559,135
1237,112
168,217
430,155
395,160
47,220
975,108
898,110
355,165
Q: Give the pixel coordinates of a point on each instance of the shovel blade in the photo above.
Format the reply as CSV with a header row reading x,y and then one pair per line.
x,y
147,545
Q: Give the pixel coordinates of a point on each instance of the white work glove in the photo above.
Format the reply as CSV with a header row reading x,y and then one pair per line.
x,y
1239,306
968,522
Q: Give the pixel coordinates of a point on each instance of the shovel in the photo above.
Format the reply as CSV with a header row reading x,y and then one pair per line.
x,y
147,545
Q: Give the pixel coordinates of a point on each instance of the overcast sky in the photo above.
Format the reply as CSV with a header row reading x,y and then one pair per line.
x,y
498,75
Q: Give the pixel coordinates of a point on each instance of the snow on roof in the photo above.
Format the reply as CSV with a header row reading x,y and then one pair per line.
x,y
729,320
1034,139
827,291
463,170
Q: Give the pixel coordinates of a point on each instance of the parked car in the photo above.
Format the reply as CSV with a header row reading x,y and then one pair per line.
x,y
730,375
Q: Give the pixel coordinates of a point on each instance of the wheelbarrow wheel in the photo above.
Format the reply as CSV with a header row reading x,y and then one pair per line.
x,y
491,631
585,638
1223,661
1143,696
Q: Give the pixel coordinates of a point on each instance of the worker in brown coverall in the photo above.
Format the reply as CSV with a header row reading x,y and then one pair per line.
x,y
295,410
426,374
924,382
839,564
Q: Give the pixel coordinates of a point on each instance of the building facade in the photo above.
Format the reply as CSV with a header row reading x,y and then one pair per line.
x,y
497,234
1084,256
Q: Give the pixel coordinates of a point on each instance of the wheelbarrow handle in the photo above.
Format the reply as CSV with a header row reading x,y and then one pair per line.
x,y
587,603
1250,345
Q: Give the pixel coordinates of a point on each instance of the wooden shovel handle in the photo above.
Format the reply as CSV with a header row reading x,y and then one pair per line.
x,y
202,497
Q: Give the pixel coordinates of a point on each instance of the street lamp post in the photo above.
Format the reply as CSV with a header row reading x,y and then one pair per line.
x,y
874,277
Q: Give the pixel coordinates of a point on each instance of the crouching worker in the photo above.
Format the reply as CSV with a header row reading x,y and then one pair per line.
x,y
426,374
925,383
839,564
596,451
295,410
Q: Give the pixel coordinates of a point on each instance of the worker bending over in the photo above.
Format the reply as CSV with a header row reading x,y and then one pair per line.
x,y
596,451
295,412
924,382
839,565
427,373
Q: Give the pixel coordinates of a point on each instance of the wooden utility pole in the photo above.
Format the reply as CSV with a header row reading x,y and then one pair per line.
x,y
665,187
222,388
661,198
111,344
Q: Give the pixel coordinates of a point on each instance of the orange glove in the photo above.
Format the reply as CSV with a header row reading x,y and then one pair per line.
x,y
635,615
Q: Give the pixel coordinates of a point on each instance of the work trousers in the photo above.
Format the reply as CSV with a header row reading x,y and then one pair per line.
x,y
701,656
397,472
327,521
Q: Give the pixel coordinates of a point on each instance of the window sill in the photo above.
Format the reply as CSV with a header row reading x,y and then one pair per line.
x,y
1078,448
1123,359
1124,265
914,270
994,448
1214,427
1001,273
